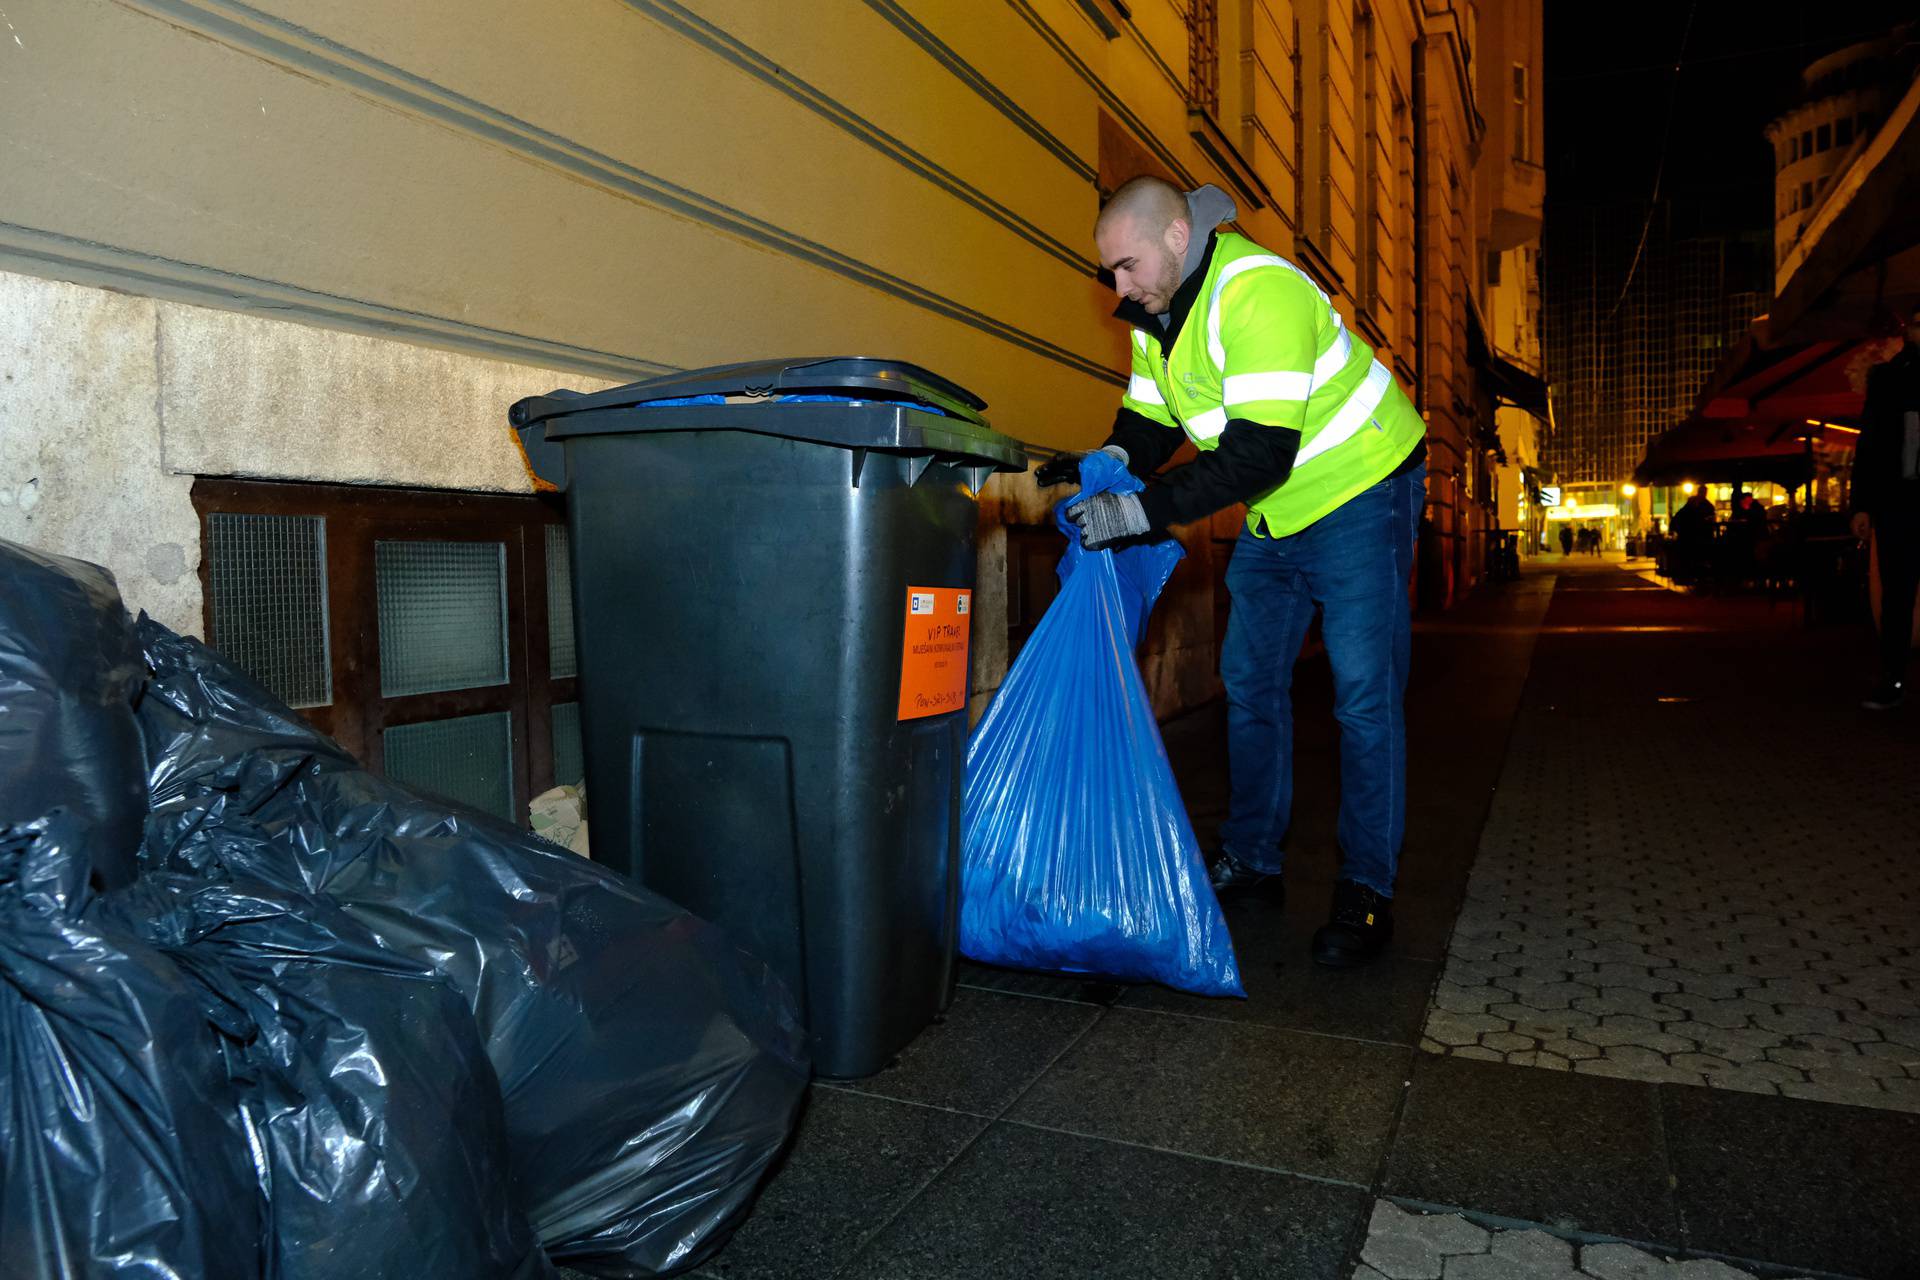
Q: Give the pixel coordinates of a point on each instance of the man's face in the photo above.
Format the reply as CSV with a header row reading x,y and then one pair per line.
x,y
1146,268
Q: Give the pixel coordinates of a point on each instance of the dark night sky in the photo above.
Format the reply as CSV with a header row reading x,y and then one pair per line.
x,y
1610,77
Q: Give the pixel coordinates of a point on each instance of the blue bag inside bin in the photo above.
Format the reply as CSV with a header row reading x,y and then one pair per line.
x,y
1076,851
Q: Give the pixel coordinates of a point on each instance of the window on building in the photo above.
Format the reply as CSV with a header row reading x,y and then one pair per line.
x,y
1793,149
430,634
1823,138
1806,195
1522,115
1843,132
1203,56
1806,142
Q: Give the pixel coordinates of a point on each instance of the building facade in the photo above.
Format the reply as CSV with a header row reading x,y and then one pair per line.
x,y
1641,307
270,275
1845,98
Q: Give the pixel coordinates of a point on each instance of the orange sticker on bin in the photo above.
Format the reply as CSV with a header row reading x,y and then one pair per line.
x,y
933,659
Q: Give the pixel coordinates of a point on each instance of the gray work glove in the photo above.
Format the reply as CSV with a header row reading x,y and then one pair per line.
x,y
1107,518
1064,468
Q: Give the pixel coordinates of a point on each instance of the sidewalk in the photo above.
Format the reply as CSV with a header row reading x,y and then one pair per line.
x,y
1652,996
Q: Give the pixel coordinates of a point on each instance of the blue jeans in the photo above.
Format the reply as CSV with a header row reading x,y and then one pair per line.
x,y
1354,564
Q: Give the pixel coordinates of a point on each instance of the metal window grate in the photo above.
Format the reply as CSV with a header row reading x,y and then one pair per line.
x,y
468,759
1203,56
562,660
443,615
569,762
268,581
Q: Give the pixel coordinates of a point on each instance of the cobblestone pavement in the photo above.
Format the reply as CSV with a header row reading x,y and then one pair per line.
x,y
1702,865
1445,1246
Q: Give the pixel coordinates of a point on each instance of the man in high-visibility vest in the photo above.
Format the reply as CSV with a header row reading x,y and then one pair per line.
x,y
1239,351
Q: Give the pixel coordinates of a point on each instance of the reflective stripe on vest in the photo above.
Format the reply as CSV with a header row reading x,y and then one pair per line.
x,y
1144,389
1240,388
1325,368
1208,424
1351,416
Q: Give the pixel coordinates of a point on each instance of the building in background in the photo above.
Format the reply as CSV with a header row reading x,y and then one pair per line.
x,y
1642,304
1780,412
1512,199
270,277
1846,96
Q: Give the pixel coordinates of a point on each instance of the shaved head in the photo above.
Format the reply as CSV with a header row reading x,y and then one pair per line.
x,y
1142,236
1153,204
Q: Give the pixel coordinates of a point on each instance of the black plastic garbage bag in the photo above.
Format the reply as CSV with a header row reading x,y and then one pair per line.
x,y
70,670
377,1114
122,1150
650,1071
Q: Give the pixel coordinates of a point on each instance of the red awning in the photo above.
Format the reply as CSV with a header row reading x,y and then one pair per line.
x,y
1717,450
1825,381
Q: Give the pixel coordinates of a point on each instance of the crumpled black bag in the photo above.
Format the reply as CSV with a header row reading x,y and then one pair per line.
x,y
122,1150
70,671
373,1106
650,1071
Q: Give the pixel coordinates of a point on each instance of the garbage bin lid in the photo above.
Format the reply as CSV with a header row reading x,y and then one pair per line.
x,y
892,379
953,424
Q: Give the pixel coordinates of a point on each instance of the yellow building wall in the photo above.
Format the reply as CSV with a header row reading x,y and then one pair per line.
x,y
465,198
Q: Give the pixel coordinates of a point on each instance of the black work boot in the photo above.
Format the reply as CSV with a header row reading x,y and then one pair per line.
x,y
1358,929
1233,878
1887,695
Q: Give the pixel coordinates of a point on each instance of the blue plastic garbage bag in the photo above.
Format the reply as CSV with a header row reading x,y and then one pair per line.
x,y
1076,851
1141,568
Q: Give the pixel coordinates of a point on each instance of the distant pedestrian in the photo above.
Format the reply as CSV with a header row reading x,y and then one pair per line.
x,y
1566,540
1886,502
1692,529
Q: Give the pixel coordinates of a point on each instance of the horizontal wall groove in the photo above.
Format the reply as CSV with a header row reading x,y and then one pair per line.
x,y
30,251
298,50
1108,98
967,74
752,61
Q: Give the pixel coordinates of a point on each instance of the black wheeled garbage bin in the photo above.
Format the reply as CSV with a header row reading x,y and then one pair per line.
x,y
773,567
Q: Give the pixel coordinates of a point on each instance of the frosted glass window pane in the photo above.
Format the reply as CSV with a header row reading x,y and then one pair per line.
x,y
468,759
443,615
560,656
569,763
268,578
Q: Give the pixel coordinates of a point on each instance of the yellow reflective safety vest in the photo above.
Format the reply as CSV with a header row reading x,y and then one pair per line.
x,y
1263,343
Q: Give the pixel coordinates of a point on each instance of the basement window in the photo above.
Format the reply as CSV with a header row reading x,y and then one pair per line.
x,y
429,633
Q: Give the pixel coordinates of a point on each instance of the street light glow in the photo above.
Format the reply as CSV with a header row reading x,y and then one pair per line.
x,y
1687,487
1629,489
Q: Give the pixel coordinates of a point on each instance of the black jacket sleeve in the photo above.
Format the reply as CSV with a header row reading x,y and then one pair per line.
x,y
1251,459
1148,444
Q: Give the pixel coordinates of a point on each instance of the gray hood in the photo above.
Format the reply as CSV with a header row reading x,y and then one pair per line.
x,y
1207,208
